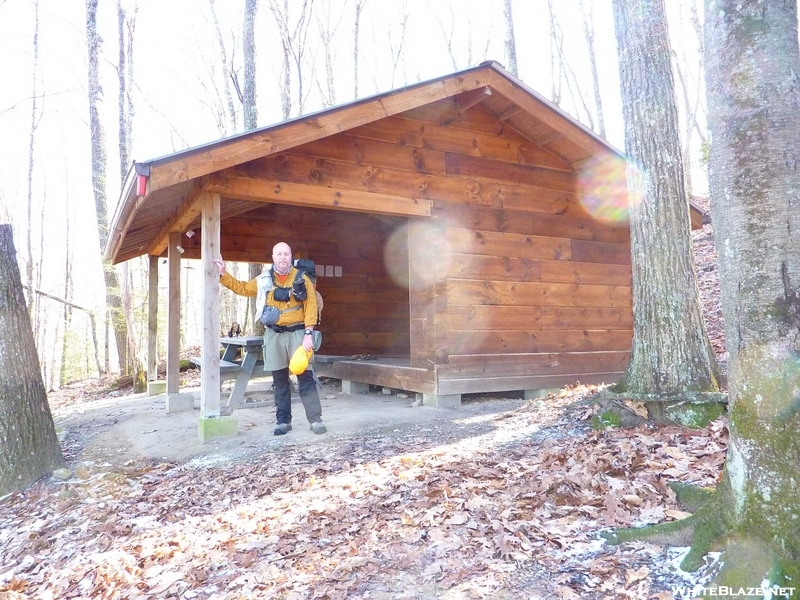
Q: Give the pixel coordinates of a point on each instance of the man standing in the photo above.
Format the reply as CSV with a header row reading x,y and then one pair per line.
x,y
288,306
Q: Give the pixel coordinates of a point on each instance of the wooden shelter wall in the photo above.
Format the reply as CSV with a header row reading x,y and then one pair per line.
x,y
365,310
510,263
532,294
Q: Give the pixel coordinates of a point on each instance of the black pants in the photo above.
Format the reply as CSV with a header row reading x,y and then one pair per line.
x,y
308,394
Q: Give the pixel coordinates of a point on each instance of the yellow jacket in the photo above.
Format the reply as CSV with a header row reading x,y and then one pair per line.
x,y
308,314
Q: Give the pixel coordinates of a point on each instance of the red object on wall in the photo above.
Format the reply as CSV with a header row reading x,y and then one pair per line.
x,y
141,185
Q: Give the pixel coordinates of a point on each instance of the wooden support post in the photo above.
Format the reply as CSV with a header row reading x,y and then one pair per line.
x,y
174,314
152,319
209,349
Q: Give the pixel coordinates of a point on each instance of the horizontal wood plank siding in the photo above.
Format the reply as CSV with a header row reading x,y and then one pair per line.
x,y
502,384
510,271
528,364
532,340
504,293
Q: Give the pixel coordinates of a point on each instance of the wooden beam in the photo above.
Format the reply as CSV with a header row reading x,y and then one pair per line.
x,y
317,196
181,218
508,113
209,349
549,139
152,319
469,99
174,314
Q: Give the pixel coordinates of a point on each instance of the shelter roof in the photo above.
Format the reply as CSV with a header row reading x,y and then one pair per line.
x,y
161,195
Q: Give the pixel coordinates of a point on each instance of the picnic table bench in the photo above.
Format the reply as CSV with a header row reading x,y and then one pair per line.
x,y
249,367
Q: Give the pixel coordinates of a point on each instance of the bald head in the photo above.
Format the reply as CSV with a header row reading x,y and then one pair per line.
x,y
282,257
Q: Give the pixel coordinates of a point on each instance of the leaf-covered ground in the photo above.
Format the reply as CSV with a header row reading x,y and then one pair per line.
x,y
505,508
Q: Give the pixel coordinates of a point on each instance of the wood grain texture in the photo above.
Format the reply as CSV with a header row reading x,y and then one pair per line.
x,y
209,347
562,340
314,196
516,245
470,292
515,174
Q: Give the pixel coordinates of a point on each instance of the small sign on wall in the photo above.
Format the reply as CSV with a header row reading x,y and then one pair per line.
x,y
328,270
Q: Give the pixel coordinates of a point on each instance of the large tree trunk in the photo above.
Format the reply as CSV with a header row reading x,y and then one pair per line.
x,y
249,102
113,301
752,66
28,444
752,71
671,353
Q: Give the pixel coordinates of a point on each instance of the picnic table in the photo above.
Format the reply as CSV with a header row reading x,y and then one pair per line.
x,y
250,365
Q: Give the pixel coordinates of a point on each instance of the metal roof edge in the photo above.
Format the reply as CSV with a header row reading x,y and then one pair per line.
x,y
123,209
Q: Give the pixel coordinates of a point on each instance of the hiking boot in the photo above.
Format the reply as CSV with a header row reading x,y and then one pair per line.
x,y
283,428
318,427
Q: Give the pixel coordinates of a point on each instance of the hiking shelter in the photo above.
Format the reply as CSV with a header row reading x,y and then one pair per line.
x,y
468,235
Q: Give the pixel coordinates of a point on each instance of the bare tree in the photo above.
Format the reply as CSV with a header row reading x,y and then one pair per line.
x,y
562,71
448,34
126,25
67,289
228,75
98,152
293,40
397,50
556,51
671,355
588,32
511,45
249,47
125,29
34,125
327,30
28,443
692,94
359,6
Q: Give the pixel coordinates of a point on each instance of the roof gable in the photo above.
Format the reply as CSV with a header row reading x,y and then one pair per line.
x,y
142,222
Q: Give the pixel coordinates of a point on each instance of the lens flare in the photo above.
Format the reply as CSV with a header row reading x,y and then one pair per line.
x,y
603,193
415,254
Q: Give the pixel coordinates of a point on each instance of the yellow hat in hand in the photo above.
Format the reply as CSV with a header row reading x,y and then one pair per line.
x,y
299,362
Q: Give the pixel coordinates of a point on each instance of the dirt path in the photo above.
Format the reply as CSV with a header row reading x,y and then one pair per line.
x,y
116,430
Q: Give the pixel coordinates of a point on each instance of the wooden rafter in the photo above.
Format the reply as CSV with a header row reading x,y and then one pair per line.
x,y
184,214
469,99
508,113
317,196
